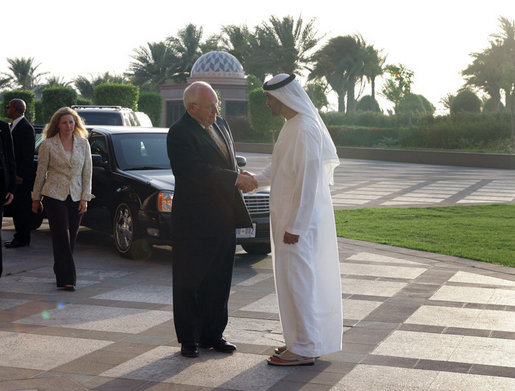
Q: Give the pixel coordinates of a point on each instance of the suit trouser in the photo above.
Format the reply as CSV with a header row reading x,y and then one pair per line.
x,y
22,210
1,219
202,274
64,220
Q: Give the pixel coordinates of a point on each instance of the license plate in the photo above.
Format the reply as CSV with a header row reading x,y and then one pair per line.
x,y
246,232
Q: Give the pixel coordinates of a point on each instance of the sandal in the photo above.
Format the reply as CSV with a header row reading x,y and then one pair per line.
x,y
287,358
279,350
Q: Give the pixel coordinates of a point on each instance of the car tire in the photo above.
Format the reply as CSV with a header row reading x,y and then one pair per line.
x,y
257,248
127,241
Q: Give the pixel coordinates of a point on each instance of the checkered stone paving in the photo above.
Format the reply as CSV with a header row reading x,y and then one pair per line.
x,y
412,320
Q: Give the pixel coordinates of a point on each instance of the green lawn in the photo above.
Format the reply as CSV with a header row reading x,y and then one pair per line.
x,y
484,233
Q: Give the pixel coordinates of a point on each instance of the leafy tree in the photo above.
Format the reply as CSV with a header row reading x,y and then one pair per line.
x,y
23,74
261,118
341,63
317,92
253,82
398,84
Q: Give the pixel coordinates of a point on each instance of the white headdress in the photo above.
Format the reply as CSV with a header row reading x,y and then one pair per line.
x,y
290,93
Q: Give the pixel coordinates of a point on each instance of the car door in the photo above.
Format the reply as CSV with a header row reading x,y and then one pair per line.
x,y
99,214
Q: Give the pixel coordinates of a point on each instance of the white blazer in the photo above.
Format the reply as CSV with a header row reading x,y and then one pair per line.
x,y
59,176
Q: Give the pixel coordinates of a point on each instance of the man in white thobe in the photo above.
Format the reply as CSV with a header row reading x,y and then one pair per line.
x,y
304,246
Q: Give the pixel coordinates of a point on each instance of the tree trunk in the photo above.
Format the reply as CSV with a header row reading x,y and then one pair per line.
x,y
373,88
341,102
351,100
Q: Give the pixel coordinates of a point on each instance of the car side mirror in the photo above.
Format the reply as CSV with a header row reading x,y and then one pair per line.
x,y
242,161
98,160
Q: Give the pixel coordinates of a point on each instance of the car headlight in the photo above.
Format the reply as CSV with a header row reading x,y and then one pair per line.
x,y
164,201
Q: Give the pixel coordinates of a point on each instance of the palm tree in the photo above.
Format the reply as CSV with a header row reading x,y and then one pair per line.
x,y
341,63
23,73
373,66
288,43
152,65
243,44
186,49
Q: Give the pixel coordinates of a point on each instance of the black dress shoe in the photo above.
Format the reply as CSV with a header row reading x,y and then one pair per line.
x,y
15,243
220,346
188,350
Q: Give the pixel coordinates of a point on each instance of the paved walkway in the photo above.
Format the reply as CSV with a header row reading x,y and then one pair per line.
x,y
375,184
413,321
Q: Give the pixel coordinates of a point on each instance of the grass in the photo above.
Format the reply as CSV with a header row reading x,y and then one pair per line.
x,y
484,233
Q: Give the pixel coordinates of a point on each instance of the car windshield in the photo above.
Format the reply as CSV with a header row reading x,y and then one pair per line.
x,y
101,118
141,151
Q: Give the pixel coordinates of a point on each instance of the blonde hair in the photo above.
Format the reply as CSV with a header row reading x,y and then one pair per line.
x,y
51,129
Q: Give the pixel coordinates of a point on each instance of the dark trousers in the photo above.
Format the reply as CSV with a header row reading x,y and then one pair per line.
x,y
22,209
202,274
64,220
1,259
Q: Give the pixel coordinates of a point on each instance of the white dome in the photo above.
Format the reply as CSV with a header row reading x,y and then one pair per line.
x,y
217,64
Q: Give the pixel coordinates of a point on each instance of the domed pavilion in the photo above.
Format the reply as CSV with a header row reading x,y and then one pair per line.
x,y
225,74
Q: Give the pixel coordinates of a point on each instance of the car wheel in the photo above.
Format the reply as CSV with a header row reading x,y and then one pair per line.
x,y
257,248
125,233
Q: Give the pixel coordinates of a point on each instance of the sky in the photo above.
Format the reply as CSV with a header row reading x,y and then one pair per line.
x,y
432,38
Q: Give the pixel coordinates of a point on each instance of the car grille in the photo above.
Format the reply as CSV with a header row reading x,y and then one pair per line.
x,y
257,204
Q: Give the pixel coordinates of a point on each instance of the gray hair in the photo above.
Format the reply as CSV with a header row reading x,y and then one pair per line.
x,y
191,92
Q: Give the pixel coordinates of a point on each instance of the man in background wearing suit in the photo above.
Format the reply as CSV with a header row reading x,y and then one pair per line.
x,y
24,140
206,208
7,173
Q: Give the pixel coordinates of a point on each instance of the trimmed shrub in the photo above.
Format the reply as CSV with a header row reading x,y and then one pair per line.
x,y
367,103
151,104
38,108
260,116
83,101
116,94
415,104
465,101
27,96
56,97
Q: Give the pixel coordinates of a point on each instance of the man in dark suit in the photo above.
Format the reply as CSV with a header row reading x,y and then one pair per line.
x,y
7,174
206,208
24,141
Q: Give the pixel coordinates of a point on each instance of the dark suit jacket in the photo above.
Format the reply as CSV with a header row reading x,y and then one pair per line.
x,y
24,140
206,201
7,163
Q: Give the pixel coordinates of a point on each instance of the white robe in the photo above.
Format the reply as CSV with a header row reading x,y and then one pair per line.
x,y
307,274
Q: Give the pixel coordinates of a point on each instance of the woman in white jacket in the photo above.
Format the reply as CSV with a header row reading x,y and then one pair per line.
x,y
63,187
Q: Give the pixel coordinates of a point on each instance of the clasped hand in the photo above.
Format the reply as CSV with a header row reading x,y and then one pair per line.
x,y
246,182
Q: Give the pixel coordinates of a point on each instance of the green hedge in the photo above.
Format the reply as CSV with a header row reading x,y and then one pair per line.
x,y
151,104
461,131
125,95
56,97
27,96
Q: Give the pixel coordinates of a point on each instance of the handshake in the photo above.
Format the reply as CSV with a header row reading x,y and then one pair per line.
x,y
246,182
